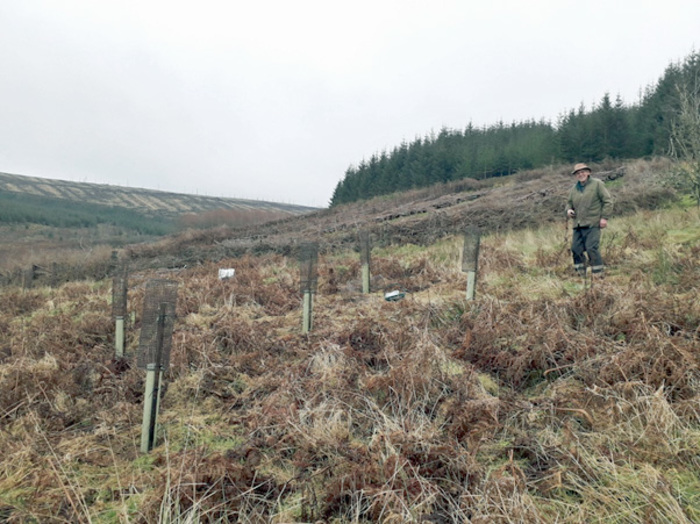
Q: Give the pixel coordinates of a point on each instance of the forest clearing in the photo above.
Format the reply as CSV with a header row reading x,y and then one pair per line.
x,y
545,399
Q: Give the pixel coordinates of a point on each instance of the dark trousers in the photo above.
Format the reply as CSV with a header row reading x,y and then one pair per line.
x,y
587,239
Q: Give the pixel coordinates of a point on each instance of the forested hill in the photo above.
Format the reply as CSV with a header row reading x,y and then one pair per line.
x,y
64,204
611,129
146,201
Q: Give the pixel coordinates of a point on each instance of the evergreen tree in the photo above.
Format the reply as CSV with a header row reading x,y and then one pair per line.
x,y
606,131
619,132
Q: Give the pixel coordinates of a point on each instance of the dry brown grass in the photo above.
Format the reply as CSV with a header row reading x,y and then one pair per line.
x,y
541,401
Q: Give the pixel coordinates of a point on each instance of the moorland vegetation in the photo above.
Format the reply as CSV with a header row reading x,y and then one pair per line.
x,y
546,399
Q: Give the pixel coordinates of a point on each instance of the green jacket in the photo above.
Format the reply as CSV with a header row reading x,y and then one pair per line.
x,y
591,203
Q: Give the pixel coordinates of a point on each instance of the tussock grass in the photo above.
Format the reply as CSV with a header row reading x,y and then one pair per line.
x,y
545,400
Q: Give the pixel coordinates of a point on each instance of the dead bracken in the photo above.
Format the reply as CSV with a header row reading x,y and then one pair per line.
x,y
540,401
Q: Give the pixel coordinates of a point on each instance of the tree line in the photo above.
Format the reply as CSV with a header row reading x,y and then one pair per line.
x,y
609,129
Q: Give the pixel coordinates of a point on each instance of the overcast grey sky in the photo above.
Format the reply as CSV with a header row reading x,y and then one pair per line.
x,y
274,99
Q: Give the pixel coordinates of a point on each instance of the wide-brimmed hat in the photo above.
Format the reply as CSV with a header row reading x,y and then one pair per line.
x,y
581,167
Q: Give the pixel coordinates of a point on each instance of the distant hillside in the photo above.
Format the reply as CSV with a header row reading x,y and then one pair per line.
x,y
421,216
418,217
43,221
145,201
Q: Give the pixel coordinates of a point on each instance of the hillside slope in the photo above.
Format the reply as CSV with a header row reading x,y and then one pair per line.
x,y
544,400
422,216
76,225
145,201
418,217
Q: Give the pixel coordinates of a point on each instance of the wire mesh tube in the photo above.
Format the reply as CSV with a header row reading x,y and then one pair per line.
x,y
119,289
157,320
365,246
157,323
470,259
308,267
365,259
470,254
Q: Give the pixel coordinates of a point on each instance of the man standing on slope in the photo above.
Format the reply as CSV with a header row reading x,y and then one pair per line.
x,y
589,205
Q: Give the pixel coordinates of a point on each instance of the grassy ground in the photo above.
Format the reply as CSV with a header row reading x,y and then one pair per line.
x,y
547,399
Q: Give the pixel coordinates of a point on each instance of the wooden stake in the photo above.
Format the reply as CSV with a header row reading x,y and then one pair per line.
x,y
148,402
308,312
471,285
119,338
365,278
